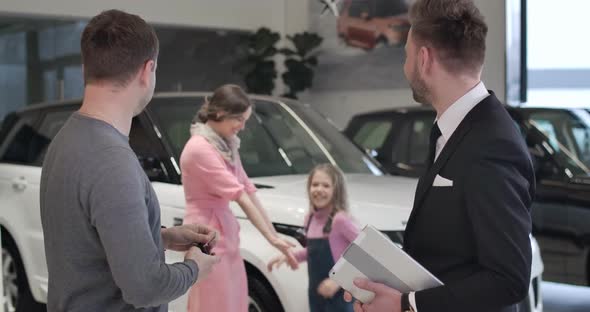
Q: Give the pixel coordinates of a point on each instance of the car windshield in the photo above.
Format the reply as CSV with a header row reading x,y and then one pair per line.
x,y
573,166
278,139
568,133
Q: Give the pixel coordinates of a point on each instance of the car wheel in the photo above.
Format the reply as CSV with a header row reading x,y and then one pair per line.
x,y
261,297
17,295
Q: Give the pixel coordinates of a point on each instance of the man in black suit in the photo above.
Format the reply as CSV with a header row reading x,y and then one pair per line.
x,y
470,223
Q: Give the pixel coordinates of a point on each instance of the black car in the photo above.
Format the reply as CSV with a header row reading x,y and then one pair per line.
x,y
569,128
559,143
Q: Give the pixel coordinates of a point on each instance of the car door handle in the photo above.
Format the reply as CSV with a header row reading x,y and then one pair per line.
x,y
19,184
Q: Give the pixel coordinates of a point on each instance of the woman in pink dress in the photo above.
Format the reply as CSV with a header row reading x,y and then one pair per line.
x,y
212,176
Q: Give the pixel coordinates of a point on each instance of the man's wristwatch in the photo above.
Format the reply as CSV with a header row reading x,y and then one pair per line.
x,y
406,306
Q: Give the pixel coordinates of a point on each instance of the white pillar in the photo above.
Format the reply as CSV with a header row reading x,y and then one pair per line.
x,y
291,18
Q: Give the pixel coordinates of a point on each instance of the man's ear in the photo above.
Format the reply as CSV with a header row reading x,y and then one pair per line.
x,y
146,71
425,60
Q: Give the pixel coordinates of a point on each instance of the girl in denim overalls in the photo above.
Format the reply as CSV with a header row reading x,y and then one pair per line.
x,y
329,230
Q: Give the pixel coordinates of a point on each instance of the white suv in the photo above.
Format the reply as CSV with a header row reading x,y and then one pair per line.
x,y
282,141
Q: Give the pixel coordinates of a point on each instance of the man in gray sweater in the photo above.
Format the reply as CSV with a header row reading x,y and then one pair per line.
x,y
101,218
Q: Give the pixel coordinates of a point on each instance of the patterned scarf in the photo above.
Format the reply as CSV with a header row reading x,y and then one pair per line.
x,y
228,148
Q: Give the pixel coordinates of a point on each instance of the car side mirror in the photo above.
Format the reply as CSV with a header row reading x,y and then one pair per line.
x,y
546,169
373,153
151,166
378,157
542,162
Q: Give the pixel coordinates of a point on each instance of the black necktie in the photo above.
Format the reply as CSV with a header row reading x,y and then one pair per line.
x,y
434,135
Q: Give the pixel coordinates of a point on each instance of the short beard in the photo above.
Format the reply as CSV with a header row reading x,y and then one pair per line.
x,y
419,90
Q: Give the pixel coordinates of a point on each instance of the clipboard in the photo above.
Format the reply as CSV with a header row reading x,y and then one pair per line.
x,y
373,256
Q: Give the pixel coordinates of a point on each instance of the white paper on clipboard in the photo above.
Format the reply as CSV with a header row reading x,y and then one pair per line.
x,y
374,256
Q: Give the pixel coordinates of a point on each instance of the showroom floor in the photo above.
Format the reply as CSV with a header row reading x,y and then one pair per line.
x,y
565,298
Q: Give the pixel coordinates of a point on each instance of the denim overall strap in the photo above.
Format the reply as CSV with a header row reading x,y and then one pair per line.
x,y
319,263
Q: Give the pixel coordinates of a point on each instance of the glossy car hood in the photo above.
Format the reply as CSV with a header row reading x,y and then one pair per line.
x,y
383,201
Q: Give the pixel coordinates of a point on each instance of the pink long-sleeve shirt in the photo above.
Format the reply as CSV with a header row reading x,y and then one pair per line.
x,y
344,231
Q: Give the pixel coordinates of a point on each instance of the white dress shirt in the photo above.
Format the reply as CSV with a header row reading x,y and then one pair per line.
x,y
453,116
448,123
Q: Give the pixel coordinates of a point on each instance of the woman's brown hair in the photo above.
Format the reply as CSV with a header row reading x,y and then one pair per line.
x,y
227,100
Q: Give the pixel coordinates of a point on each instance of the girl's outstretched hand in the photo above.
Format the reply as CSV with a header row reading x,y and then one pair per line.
x,y
328,288
285,247
276,262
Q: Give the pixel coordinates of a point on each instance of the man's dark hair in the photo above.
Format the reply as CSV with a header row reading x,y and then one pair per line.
x,y
115,45
454,28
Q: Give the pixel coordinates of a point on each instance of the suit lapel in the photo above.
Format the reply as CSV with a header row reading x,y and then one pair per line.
x,y
425,182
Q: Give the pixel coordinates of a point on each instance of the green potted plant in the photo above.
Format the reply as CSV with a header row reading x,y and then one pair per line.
x,y
258,66
300,61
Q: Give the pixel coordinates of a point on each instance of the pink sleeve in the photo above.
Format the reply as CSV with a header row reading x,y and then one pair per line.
x,y
345,226
200,160
243,178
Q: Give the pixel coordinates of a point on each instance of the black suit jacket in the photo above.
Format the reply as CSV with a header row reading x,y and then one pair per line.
x,y
474,235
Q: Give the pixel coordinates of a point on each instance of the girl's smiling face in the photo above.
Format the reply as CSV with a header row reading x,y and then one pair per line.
x,y
321,190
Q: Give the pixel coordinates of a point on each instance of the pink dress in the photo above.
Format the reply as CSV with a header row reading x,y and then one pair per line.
x,y
210,183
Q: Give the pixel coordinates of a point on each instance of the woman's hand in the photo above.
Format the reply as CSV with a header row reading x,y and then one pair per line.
x,y
277,261
285,247
328,288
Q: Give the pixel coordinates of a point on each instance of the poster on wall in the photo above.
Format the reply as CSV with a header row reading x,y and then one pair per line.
x,y
363,46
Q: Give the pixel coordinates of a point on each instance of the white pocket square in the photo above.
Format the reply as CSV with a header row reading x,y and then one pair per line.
x,y
442,182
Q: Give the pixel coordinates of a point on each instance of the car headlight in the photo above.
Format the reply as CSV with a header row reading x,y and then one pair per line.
x,y
297,232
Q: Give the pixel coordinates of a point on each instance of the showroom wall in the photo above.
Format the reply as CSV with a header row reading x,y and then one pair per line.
x,y
200,43
40,59
287,17
243,15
